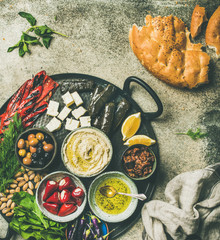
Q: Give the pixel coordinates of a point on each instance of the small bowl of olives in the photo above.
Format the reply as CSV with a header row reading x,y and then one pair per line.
x,y
36,148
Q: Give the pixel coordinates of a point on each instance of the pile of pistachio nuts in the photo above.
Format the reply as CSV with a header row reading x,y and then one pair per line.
x,y
25,180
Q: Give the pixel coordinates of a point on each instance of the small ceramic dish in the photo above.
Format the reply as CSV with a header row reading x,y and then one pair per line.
x,y
86,152
129,166
94,187
49,139
57,176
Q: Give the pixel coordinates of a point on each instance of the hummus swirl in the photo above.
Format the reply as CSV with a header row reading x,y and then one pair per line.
x,y
87,151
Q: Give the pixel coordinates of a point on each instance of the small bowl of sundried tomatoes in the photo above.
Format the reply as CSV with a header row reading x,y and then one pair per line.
x,y
139,162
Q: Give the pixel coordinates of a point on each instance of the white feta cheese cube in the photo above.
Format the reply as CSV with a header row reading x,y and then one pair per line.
x,y
77,99
67,98
64,113
78,112
52,109
53,125
68,121
71,124
85,121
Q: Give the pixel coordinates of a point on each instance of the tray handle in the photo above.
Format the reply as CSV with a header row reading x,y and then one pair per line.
x,y
9,234
148,115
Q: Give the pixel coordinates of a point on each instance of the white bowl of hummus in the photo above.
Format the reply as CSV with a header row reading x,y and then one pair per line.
x,y
86,151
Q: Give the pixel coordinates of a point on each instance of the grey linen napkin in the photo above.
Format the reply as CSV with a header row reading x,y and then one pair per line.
x,y
192,207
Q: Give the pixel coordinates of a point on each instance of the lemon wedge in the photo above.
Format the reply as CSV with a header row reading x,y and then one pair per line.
x,y
140,139
130,125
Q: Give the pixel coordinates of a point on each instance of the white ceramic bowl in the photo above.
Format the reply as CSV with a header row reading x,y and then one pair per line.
x,y
112,217
56,176
102,137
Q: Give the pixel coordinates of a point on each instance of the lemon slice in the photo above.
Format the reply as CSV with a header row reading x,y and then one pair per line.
x,y
130,125
140,139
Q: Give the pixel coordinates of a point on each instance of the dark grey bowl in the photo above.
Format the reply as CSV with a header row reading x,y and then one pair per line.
x,y
153,168
24,135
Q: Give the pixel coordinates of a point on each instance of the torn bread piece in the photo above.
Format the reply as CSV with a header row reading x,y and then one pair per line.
x,y
78,112
85,121
53,125
71,124
64,113
77,99
164,48
67,98
197,19
212,35
52,109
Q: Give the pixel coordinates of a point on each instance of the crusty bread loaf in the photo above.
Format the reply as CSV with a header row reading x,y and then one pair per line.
x,y
197,19
164,48
212,35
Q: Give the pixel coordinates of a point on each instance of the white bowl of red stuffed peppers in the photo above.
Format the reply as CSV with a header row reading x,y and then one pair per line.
x,y
61,196
36,149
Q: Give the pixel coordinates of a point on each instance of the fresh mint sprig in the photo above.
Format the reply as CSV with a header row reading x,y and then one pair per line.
x,y
194,135
43,33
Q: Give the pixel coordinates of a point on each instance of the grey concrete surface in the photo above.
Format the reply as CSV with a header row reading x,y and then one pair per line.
x,y
98,45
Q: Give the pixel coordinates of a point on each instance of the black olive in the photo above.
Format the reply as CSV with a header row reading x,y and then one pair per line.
x,y
46,138
40,145
34,156
34,162
40,163
40,151
47,155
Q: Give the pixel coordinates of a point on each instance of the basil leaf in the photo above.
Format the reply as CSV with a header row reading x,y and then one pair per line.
x,y
46,41
37,31
10,49
27,37
34,42
21,50
29,18
45,29
31,29
41,30
25,47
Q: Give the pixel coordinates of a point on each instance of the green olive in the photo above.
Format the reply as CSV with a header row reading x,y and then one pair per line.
x,y
28,155
48,147
22,152
40,136
30,136
33,149
21,143
26,144
33,142
27,161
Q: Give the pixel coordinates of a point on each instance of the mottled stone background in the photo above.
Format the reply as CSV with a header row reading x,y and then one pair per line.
x,y
98,45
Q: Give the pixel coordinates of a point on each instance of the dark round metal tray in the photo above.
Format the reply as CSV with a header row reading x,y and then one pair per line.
x,y
145,186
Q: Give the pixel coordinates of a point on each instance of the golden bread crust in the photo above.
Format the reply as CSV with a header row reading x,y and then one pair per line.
x,y
164,48
212,36
197,19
